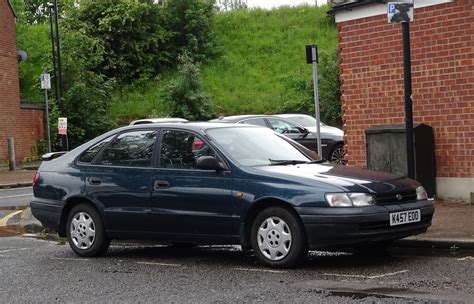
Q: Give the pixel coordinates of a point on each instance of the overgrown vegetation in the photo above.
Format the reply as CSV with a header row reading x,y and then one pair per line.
x,y
120,61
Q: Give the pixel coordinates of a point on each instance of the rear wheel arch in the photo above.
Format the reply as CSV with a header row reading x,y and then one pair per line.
x,y
258,207
71,203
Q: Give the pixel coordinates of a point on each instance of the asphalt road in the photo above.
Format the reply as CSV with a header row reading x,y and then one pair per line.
x,y
44,271
16,197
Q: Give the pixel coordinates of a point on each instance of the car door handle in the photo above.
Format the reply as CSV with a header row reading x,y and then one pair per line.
x,y
161,184
95,181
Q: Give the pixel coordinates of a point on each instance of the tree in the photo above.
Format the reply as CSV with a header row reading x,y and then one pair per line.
x,y
184,94
191,25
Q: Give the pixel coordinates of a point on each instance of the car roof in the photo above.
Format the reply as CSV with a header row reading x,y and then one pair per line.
x,y
157,120
236,118
193,126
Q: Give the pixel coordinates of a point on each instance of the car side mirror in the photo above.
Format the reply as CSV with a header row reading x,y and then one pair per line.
x,y
52,155
304,132
209,163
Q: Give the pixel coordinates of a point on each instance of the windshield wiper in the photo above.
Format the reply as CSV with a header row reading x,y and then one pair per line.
x,y
282,162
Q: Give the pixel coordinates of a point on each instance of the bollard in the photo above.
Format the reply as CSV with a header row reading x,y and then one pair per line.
x,y
11,154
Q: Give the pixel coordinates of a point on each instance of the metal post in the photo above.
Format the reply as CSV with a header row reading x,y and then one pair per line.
x,y
48,136
11,154
316,100
53,50
408,100
58,49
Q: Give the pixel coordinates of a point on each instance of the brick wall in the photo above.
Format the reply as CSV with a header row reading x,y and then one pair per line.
x,y
24,125
442,52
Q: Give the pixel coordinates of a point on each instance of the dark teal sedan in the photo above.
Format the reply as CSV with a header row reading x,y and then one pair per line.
x,y
209,183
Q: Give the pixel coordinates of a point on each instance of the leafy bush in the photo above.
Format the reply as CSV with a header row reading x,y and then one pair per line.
x,y
184,94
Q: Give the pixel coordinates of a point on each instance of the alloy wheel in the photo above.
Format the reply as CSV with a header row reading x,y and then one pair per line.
x,y
82,230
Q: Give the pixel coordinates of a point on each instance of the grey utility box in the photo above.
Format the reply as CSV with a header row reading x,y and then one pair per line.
x,y
386,151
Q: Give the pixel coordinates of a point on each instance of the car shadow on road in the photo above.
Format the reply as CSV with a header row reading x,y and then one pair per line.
x,y
234,257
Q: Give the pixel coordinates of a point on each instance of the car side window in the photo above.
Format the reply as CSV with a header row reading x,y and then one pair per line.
x,y
181,149
89,155
132,149
283,127
255,121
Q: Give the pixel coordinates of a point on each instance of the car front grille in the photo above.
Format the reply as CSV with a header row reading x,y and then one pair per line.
x,y
394,198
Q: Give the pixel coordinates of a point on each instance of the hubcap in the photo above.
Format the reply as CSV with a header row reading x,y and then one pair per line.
x,y
338,156
82,230
274,238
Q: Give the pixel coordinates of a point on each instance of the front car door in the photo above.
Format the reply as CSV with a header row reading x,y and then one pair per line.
x,y
188,201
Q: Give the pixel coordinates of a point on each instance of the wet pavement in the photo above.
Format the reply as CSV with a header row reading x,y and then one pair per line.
x,y
44,271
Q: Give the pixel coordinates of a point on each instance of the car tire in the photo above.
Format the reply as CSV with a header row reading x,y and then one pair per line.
x,y
85,231
278,238
338,154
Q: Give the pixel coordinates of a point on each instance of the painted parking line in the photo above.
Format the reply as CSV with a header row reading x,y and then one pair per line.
x,y
466,258
16,196
159,264
70,259
259,270
6,218
17,189
365,277
13,250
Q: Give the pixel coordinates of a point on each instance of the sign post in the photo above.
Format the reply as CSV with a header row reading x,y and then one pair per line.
x,y
46,85
403,12
62,129
312,58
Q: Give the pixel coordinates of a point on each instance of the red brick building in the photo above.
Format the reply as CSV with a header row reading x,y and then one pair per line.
x,y
24,123
442,53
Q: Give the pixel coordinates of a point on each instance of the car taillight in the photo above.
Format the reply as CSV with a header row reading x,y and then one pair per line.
x,y
36,179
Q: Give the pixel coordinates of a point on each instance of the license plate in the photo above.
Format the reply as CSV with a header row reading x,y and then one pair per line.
x,y
405,217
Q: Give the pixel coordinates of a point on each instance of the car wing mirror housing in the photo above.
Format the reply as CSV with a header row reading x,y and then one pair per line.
x,y
52,155
209,163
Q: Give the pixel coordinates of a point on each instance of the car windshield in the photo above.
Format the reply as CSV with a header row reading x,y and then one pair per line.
x,y
304,120
256,146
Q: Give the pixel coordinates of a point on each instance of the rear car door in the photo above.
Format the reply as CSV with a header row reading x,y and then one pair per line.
x,y
120,181
187,200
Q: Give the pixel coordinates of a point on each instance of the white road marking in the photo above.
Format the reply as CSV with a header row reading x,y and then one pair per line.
x,y
71,259
259,270
159,264
365,277
12,250
16,189
466,258
16,196
6,218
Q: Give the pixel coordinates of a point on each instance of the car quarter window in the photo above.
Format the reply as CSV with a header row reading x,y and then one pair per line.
x,y
181,149
131,149
89,155
255,121
283,127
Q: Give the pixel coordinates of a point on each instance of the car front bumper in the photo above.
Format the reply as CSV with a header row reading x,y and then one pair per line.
x,y
332,227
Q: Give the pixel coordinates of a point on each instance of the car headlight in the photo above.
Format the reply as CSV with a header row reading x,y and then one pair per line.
x,y
421,193
349,199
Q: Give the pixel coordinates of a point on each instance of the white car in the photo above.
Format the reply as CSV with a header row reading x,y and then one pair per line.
x,y
337,153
